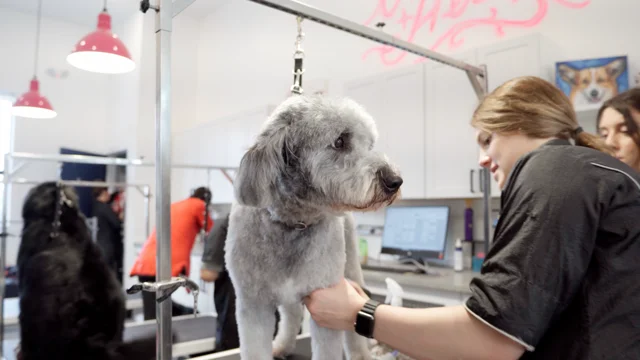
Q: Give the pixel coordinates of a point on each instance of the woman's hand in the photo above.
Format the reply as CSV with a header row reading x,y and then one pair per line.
x,y
208,275
336,307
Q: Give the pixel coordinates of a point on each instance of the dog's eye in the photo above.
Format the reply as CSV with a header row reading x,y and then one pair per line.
x,y
339,143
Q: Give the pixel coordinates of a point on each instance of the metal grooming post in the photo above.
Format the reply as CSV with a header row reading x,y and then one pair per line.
x,y
482,88
164,18
3,246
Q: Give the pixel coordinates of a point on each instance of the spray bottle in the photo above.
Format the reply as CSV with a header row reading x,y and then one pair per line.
x,y
394,293
458,261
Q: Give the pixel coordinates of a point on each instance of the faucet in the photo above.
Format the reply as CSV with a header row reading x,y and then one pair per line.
x,y
168,287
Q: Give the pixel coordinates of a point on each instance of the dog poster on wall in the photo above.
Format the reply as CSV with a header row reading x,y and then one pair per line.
x,y
591,82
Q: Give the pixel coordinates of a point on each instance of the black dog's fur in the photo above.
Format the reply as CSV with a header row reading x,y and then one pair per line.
x,y
71,305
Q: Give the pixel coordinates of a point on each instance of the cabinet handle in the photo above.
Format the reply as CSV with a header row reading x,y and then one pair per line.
x,y
471,180
481,179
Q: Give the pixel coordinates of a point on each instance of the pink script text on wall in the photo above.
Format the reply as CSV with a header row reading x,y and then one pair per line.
x,y
451,33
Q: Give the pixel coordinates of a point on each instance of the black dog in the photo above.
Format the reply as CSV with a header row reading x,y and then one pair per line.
x,y
71,305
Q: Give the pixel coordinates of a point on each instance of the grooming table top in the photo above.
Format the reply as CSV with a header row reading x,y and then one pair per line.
x,y
302,351
192,335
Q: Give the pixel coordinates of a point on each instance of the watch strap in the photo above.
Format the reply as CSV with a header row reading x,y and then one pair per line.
x,y
365,320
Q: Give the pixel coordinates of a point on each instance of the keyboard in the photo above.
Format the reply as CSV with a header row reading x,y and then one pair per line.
x,y
399,269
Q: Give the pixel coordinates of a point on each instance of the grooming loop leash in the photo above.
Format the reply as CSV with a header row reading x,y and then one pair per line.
x,y
60,201
298,56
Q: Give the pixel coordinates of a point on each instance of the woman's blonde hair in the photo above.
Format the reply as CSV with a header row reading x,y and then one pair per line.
x,y
533,107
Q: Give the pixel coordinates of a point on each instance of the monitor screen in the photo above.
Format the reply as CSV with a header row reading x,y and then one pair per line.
x,y
416,231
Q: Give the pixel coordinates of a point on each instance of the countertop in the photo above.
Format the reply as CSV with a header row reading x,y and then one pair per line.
x,y
448,280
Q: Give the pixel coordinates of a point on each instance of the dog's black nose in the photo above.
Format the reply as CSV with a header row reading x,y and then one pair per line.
x,y
392,183
389,180
594,93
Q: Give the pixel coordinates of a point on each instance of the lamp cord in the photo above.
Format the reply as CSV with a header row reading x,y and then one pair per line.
x,y
104,8
35,65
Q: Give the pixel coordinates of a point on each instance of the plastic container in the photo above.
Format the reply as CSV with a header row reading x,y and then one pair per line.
x,y
477,261
364,251
458,257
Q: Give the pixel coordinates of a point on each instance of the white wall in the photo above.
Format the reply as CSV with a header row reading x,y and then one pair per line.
x,y
245,49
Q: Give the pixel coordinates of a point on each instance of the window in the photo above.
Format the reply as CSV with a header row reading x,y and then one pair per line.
x,y
6,132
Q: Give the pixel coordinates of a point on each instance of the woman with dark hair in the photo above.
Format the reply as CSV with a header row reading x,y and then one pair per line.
x,y
617,123
109,236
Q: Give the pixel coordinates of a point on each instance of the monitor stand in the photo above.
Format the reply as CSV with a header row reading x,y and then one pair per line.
x,y
420,263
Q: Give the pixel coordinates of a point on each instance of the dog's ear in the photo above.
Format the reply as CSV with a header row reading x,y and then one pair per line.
x,y
260,167
616,67
567,73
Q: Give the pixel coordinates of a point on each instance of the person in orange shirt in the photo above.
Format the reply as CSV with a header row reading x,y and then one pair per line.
x,y
188,218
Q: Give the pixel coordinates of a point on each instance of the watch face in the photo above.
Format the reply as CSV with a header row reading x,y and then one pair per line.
x,y
364,324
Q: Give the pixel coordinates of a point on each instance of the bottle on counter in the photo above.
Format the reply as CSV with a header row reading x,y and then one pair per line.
x,y
458,262
468,220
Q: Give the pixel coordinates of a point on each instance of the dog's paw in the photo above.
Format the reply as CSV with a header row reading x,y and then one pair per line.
x,y
360,356
281,351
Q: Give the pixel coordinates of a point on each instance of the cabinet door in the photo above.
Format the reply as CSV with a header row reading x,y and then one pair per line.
x,y
451,161
510,59
402,127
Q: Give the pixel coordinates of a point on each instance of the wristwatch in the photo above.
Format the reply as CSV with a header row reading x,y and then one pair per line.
x,y
365,320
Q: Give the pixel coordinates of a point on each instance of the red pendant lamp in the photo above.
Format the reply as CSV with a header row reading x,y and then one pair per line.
x,y
31,104
102,51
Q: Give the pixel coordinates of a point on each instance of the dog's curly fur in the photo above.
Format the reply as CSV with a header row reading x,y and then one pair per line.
x,y
71,305
291,232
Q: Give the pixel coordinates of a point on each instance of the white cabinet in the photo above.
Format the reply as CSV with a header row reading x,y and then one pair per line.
x,y
396,101
451,161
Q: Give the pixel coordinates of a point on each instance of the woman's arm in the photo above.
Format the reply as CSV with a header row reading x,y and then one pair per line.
x,y
441,333
434,333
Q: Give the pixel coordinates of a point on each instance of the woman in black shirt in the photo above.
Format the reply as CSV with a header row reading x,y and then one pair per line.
x,y
561,280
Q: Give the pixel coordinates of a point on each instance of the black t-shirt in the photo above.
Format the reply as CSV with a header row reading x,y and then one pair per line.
x,y
562,277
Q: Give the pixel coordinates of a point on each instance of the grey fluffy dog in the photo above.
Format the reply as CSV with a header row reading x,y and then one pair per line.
x,y
291,232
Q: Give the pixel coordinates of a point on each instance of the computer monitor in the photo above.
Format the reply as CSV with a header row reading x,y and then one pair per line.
x,y
418,232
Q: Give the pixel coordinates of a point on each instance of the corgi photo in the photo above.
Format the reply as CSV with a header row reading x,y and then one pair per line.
x,y
593,81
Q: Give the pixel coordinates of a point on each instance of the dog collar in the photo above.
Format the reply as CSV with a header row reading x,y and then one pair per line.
x,y
298,225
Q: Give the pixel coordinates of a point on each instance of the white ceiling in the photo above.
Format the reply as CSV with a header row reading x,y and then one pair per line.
x,y
85,12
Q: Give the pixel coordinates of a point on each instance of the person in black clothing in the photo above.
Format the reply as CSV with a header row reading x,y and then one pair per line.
x,y
224,296
109,235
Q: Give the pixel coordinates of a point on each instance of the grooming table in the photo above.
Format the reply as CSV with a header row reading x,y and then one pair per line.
x,y
193,335
302,351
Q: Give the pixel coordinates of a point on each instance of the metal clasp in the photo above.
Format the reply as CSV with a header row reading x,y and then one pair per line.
x,y
166,288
